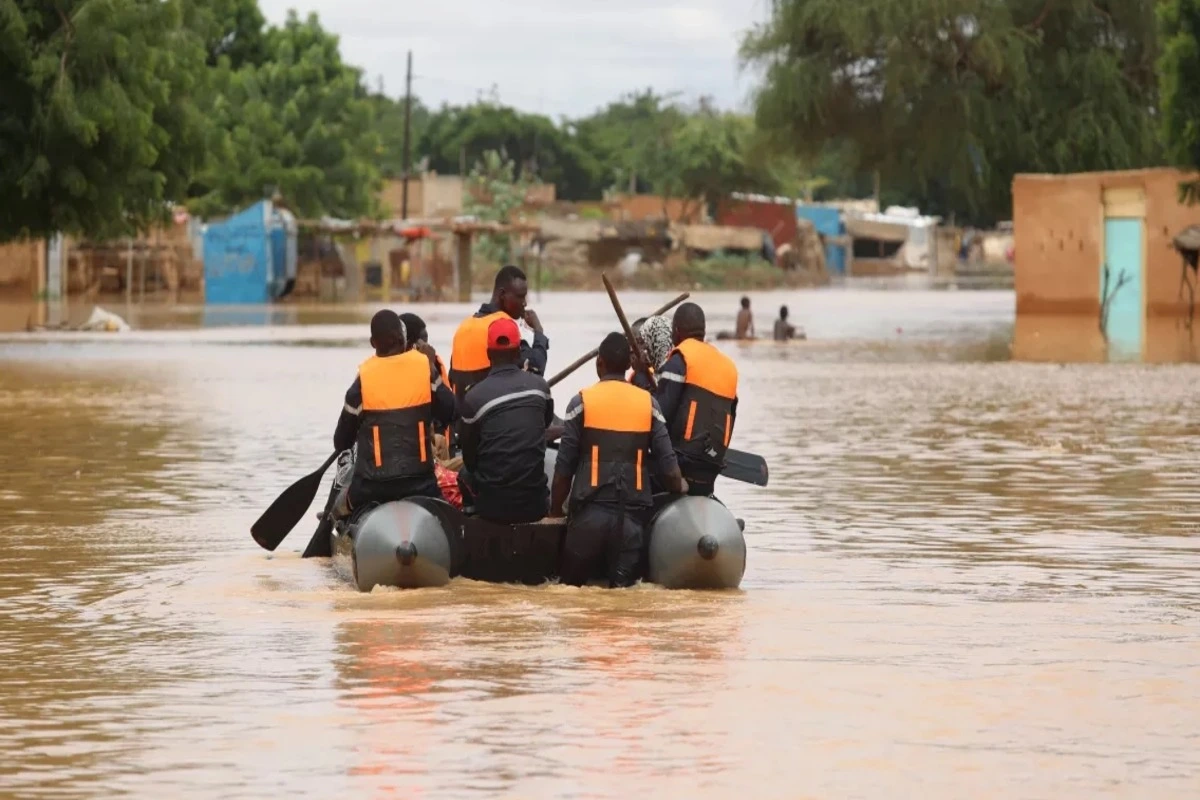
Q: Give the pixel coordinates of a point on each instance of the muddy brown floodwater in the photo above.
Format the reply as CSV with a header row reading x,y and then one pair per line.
x,y
969,577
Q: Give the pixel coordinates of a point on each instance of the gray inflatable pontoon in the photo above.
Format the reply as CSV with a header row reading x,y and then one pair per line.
x,y
693,543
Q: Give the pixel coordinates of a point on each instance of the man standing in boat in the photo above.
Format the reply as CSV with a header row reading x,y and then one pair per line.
x,y
389,414
469,362
503,422
697,392
611,432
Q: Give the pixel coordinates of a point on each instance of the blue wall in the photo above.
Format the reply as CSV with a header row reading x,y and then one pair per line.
x,y
237,258
828,222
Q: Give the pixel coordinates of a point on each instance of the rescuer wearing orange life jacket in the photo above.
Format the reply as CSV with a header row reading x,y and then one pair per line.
x,y
697,392
469,362
611,431
388,415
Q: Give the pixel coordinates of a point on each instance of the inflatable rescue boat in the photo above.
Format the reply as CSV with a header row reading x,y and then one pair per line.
x,y
693,543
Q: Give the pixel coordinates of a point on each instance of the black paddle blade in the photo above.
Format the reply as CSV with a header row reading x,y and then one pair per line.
x,y
745,467
321,545
277,521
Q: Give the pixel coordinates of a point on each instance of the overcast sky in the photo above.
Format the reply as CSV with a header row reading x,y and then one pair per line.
x,y
557,57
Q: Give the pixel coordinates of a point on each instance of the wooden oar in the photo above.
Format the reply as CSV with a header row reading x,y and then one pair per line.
x,y
634,344
277,521
579,362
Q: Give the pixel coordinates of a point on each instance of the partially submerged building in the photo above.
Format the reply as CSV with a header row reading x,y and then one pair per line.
x,y
1101,247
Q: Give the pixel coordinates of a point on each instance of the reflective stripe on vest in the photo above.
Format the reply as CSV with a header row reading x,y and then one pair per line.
x,y
703,423
469,362
617,420
397,412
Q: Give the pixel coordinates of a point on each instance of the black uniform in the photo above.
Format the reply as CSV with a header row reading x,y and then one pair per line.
x,y
503,437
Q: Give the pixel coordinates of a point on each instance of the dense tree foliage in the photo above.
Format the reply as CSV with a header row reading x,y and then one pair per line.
x,y
457,137
98,123
300,124
113,109
949,98
1179,70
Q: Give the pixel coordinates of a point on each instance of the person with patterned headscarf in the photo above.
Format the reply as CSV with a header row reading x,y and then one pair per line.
x,y
654,336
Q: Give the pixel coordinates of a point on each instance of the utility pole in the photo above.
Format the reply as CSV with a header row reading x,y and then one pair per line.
x,y
407,136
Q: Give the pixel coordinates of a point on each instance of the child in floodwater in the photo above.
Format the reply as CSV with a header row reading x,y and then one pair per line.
x,y
745,321
783,329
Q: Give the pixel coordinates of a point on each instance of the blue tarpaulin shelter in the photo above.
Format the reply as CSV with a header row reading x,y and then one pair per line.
x,y
250,257
828,222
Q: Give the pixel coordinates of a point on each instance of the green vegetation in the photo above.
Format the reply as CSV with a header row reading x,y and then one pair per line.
x,y
947,100
1179,70
99,125
115,109
297,123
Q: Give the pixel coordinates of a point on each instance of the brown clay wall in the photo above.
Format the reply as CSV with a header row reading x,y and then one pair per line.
x,y
1057,222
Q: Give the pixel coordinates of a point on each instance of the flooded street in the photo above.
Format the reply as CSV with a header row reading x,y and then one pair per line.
x,y
968,577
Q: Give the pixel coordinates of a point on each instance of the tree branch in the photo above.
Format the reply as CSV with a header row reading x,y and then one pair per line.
x,y
1041,17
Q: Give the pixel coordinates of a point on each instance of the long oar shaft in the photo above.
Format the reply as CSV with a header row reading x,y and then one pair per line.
x,y
579,362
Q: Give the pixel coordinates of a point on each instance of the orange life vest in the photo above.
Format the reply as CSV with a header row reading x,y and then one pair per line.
x,y
469,362
396,429
617,421
703,423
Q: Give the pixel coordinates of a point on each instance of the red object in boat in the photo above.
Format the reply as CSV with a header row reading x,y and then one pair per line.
x,y
448,483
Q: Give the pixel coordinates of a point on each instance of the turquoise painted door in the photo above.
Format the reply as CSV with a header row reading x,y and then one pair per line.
x,y
1123,288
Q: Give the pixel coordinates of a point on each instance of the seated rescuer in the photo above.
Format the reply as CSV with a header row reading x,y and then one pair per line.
x,y
469,362
697,392
503,422
417,338
611,430
389,412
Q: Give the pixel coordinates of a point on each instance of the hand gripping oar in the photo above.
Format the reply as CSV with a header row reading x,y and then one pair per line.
x,y
277,521
579,362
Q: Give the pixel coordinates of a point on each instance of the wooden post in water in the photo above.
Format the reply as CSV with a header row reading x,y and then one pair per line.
x,y
463,240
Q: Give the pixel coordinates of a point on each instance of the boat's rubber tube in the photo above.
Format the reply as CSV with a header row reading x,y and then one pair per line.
x,y
696,543
400,544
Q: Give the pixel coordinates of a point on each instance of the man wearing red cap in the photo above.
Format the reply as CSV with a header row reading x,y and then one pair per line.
x,y
503,435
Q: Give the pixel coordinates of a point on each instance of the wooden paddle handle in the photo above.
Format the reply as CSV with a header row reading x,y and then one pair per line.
x,y
579,362
634,344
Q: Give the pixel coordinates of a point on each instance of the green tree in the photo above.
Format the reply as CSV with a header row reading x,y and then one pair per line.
x,y
707,158
460,135
99,128
494,191
233,29
300,125
389,125
949,98
629,138
1179,81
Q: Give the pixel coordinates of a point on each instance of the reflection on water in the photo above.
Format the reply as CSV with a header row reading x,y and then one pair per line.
x,y
1077,338
969,577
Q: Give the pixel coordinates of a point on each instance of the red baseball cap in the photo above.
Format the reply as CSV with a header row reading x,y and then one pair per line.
x,y
503,335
